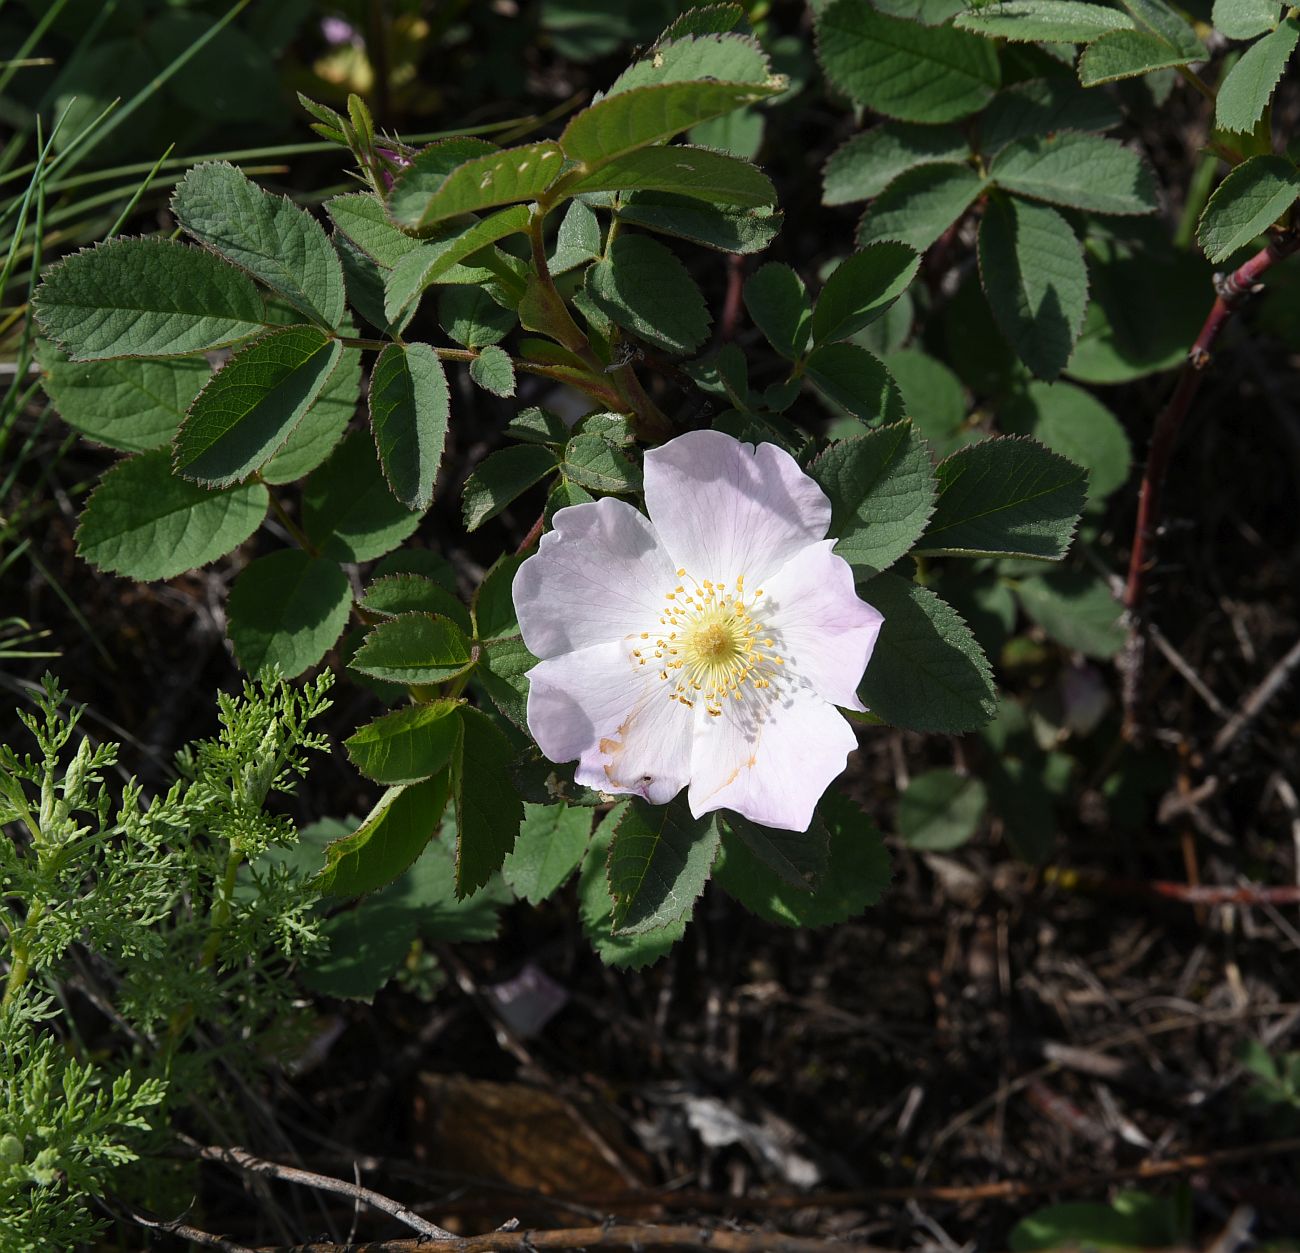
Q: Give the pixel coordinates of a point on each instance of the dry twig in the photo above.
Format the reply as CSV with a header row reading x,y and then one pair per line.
x,y
606,1237
240,1159
173,1227
1274,681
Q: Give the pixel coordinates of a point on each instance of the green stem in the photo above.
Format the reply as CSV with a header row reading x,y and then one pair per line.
x,y
560,325
378,345
299,536
221,908
20,968
218,920
455,687
1191,76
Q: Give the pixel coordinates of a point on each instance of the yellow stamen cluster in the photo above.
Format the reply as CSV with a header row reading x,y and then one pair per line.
x,y
709,646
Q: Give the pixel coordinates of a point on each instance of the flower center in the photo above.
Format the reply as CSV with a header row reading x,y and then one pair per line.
x,y
709,645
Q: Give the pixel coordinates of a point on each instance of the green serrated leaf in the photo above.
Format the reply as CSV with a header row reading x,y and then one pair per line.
x,y
394,594
933,398
862,288
349,512
1044,21
362,218
145,523
471,317
1041,106
864,166
659,862
724,227
723,373
1035,279
502,476
502,673
596,907
322,426
429,889
1077,425
1079,171
422,561
919,205
409,412
392,836
642,286
853,379
418,648
1006,498
146,298
972,344
288,609
700,173
494,606
1245,19
906,71
439,261
1246,90
882,490
1159,18
739,134
778,303
535,425
927,673
488,809
578,239
721,57
407,745
563,493
1076,609
422,196
797,858
278,243
704,19
365,949
984,601
364,280
248,408
856,877
542,782
646,115
131,405
1146,308
940,810
550,847
927,12
1253,196
594,463
1129,54
494,371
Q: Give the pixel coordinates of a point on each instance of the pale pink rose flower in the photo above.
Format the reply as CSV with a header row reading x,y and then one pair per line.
x,y
706,647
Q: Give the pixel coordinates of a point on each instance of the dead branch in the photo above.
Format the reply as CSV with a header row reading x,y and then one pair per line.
x,y
119,1208
241,1159
607,1237
1273,682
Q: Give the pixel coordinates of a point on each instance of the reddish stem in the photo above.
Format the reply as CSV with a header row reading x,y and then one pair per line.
x,y
1231,292
1247,894
534,534
730,318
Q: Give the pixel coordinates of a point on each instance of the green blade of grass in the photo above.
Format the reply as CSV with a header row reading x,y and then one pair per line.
x,y
130,205
46,21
